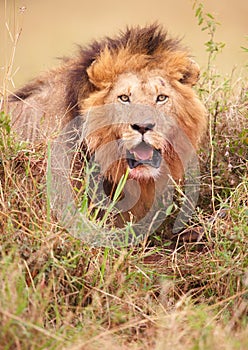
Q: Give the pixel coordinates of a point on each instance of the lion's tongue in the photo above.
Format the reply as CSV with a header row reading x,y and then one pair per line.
x,y
143,152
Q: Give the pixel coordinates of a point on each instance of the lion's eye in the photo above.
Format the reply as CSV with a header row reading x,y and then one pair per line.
x,y
124,98
162,99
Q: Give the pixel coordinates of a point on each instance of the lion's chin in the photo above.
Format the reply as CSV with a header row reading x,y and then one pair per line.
x,y
144,173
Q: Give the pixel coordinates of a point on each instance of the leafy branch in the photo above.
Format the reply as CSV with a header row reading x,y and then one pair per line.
x,y
208,23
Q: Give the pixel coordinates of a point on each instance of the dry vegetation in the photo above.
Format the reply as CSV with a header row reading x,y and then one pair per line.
x,y
58,293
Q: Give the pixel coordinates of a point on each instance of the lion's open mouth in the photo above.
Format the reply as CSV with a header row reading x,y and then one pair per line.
x,y
143,154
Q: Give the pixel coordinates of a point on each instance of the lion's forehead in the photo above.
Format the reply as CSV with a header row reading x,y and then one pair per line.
x,y
145,83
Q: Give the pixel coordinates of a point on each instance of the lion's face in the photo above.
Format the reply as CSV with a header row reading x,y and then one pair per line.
x,y
147,123
142,136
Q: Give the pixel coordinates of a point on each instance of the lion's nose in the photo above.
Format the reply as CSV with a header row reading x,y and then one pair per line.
x,y
142,128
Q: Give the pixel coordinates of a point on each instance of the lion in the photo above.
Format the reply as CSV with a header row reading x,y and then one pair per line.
x,y
138,110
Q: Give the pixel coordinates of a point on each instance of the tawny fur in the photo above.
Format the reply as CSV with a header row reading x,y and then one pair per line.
x,y
141,63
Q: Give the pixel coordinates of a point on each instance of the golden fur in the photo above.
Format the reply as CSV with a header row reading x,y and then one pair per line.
x,y
141,66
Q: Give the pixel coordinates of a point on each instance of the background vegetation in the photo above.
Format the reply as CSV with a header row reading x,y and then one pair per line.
x,y
58,293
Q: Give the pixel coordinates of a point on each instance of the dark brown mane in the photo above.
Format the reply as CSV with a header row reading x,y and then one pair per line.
x,y
144,40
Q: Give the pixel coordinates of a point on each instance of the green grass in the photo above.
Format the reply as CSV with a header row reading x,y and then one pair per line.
x,y
58,293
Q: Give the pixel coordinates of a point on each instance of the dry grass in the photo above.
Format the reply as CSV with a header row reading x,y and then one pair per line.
x,y
58,293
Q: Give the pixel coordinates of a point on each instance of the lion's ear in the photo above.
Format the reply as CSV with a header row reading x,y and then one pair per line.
x,y
192,73
101,72
93,76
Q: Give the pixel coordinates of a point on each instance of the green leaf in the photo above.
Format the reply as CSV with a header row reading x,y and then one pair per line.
x,y
210,16
169,209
